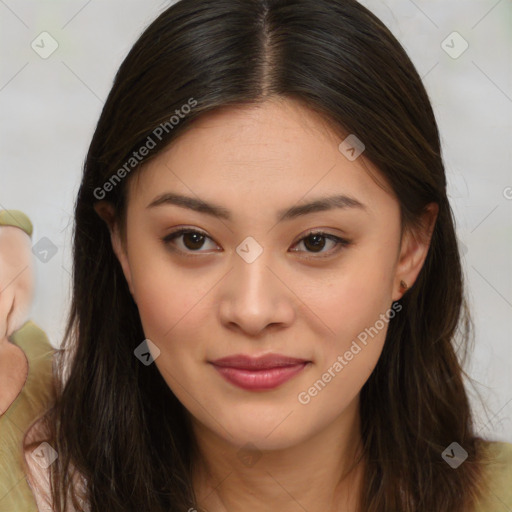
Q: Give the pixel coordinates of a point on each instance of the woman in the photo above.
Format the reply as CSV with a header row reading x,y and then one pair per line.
x,y
267,285
25,360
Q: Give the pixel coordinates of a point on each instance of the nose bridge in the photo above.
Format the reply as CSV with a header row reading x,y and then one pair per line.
x,y
252,275
255,296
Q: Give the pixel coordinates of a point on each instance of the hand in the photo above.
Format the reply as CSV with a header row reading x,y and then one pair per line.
x,y
16,279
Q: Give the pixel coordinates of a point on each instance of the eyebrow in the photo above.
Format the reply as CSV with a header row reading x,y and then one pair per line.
x,y
317,205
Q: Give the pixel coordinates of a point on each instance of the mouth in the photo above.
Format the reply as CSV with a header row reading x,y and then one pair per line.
x,y
261,373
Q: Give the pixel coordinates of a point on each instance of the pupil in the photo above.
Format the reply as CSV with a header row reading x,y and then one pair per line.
x,y
196,241
316,244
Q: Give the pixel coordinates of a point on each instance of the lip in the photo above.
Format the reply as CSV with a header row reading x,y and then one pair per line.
x,y
264,362
259,373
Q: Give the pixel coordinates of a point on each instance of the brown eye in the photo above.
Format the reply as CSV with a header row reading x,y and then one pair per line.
x,y
192,240
315,242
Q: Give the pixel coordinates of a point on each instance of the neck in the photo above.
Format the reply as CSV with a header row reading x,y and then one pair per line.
x,y
323,473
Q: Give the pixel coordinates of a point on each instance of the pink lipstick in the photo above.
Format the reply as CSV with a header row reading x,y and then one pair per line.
x,y
259,373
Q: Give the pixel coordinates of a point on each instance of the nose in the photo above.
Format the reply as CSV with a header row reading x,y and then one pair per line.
x,y
256,297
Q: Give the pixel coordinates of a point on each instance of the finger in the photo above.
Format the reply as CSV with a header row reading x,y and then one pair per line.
x,y
18,315
21,292
6,303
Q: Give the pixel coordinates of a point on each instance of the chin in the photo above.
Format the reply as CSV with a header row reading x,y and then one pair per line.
x,y
272,435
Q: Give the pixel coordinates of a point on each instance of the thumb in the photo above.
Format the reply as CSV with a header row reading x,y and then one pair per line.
x,y
6,307
16,318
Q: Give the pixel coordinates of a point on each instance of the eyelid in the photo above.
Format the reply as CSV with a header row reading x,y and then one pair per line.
x,y
341,242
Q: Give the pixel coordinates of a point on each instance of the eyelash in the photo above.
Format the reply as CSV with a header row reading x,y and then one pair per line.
x,y
340,242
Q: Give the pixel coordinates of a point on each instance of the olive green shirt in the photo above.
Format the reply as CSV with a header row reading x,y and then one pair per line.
x,y
499,497
35,396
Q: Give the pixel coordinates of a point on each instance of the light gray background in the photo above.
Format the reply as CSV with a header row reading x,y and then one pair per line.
x,y
49,108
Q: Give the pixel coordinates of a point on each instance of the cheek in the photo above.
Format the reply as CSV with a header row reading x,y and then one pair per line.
x,y
166,294
173,305
355,310
169,310
350,300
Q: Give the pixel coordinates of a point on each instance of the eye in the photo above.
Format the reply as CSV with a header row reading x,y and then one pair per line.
x,y
193,240
316,241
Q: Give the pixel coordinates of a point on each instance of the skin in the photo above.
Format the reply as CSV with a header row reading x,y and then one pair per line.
x,y
13,373
16,288
255,162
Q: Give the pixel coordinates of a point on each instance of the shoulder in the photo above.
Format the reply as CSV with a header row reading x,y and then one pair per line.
x,y
38,476
39,390
499,472
40,355
30,337
500,458
39,459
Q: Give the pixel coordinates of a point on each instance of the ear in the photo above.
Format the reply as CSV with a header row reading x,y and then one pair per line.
x,y
413,251
107,212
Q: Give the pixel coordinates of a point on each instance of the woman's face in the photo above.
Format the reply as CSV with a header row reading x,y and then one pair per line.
x,y
253,282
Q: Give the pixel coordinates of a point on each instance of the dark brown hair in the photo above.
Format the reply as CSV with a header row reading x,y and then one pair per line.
x,y
115,420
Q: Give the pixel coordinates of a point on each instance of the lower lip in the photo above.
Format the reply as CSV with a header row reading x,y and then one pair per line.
x,y
259,379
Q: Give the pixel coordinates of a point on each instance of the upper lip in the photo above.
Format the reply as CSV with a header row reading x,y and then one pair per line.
x,y
245,362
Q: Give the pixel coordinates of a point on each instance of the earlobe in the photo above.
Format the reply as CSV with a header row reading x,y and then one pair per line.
x,y
107,212
414,250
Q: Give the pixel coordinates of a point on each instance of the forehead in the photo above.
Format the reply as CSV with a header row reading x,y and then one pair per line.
x,y
270,155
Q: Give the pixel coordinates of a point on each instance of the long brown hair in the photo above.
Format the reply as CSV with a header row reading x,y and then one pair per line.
x,y
115,420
